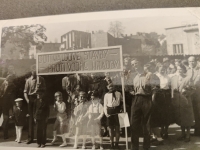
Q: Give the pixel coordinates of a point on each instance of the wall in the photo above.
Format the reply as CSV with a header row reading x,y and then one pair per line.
x,y
176,36
99,40
188,36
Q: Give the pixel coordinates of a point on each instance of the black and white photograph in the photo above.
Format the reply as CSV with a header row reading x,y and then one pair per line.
x,y
126,79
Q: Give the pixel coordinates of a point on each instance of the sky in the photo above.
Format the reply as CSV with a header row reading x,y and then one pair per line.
x,y
140,20
131,25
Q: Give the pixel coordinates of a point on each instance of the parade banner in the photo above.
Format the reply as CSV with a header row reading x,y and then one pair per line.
x,y
80,61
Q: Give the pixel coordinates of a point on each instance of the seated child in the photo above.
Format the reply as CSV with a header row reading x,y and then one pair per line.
x,y
41,114
61,119
95,114
20,113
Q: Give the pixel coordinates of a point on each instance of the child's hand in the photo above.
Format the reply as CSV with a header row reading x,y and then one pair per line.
x,y
10,117
27,115
107,115
97,119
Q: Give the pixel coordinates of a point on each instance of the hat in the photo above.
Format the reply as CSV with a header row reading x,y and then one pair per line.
x,y
165,59
148,65
177,60
94,93
58,93
18,100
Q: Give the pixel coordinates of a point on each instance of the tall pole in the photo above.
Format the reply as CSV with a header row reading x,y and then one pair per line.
x,y
124,105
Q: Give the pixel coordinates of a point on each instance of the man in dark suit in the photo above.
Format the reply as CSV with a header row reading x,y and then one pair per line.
x,y
194,73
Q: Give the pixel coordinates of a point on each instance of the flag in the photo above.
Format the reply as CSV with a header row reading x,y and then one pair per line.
x,y
123,120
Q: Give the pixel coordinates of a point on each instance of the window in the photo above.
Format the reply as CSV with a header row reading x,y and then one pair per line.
x,y
178,48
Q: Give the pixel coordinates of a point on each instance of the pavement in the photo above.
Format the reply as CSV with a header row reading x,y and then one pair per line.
x,y
170,144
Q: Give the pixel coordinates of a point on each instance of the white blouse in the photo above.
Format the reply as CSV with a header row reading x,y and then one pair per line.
x,y
164,81
61,107
98,108
110,101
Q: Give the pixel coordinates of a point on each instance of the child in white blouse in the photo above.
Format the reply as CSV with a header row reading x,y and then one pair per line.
x,y
113,106
95,113
61,119
80,120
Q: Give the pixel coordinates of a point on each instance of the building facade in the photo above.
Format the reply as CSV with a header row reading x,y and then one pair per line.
x,y
183,40
75,40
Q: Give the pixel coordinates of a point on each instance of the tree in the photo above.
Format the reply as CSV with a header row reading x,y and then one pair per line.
x,y
116,29
24,36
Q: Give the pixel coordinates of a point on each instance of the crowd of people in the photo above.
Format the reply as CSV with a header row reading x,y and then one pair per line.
x,y
158,93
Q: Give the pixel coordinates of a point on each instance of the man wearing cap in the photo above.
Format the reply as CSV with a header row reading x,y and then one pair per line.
x,y
33,84
194,73
145,84
7,97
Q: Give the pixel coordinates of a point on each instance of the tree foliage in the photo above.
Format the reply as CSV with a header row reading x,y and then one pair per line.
x,y
24,36
116,29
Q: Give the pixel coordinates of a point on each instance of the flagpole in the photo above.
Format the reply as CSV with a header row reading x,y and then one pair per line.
x,y
124,105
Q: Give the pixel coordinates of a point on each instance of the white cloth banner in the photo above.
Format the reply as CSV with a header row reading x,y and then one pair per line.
x,y
123,120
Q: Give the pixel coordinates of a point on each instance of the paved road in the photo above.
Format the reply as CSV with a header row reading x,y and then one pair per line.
x,y
170,144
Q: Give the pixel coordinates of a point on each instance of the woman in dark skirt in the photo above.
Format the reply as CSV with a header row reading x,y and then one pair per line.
x,y
161,107
112,106
182,91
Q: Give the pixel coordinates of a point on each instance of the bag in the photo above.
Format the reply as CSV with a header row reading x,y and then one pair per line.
x,y
123,120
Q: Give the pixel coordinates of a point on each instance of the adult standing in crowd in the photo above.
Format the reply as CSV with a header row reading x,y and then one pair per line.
x,y
193,72
33,84
161,107
7,97
182,104
145,84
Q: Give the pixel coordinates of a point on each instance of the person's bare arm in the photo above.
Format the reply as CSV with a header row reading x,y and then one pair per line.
x,y
26,97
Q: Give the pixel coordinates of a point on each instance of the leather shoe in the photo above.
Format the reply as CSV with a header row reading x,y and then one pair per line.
x,y
29,142
181,138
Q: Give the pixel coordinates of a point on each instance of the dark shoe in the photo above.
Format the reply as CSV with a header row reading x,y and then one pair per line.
x,y
153,140
116,145
105,134
157,143
187,139
39,145
181,138
42,145
112,146
29,142
165,136
5,137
